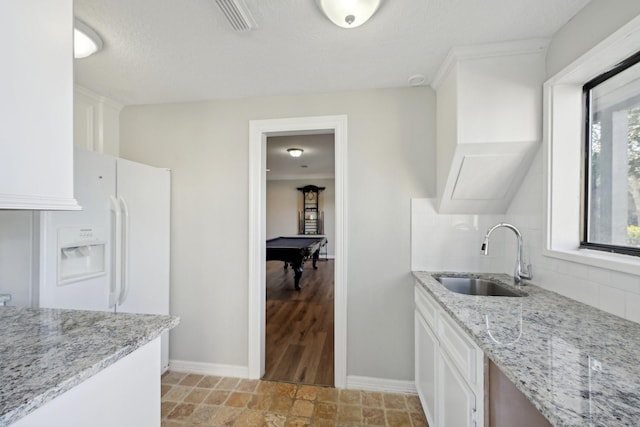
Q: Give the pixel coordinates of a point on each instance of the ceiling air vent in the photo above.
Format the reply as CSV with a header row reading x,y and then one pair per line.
x,y
237,14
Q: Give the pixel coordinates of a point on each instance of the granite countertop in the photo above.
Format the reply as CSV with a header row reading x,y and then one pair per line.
x,y
45,352
578,365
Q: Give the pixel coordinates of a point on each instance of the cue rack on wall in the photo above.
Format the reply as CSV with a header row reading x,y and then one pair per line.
x,y
311,216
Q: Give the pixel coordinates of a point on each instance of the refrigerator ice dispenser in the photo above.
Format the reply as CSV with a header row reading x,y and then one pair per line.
x,y
81,253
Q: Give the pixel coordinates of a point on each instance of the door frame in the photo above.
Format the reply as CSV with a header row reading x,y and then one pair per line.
x,y
259,130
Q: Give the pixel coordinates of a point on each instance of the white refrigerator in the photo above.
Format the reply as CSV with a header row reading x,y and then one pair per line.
x,y
113,255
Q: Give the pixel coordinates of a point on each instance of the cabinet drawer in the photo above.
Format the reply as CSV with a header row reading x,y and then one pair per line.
x,y
425,306
459,347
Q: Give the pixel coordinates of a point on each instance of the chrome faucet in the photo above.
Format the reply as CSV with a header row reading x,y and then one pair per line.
x,y
519,273
4,299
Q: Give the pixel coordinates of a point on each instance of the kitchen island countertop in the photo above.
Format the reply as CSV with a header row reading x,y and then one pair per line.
x,y
46,352
578,365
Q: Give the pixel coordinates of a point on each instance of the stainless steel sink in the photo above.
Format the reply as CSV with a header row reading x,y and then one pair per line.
x,y
475,286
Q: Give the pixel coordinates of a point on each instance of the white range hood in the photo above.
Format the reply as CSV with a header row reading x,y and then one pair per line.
x,y
489,119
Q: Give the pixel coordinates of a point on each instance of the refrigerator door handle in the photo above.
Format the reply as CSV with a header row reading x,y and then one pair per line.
x,y
124,255
116,249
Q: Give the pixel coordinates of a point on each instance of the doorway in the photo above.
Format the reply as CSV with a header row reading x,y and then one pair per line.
x,y
259,130
300,213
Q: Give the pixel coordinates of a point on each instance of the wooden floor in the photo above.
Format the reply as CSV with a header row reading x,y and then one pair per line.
x,y
299,325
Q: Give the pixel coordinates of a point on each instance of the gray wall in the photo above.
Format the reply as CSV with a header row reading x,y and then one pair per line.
x,y
391,158
284,201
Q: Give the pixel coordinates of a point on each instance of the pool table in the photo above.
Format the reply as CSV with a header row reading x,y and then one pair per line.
x,y
295,251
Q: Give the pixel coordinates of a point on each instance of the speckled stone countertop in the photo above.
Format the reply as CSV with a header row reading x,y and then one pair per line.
x,y
45,352
578,365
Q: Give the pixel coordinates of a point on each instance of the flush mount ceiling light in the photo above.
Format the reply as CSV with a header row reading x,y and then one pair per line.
x,y
348,13
295,152
86,41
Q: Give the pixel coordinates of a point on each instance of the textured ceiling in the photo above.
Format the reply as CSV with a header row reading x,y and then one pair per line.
x,y
158,51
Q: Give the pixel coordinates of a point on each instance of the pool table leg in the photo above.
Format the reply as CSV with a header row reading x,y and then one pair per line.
x,y
297,271
316,255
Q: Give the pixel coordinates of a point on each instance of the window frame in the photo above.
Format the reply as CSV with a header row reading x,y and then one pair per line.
x,y
562,148
586,171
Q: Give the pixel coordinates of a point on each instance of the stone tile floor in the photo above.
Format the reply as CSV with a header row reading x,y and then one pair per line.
x,y
203,400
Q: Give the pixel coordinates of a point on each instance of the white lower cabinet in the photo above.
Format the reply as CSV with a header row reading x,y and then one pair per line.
x,y
456,400
425,369
449,368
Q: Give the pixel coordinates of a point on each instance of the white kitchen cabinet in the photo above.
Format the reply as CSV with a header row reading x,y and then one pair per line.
x,y
489,123
449,367
427,352
36,107
456,400
96,122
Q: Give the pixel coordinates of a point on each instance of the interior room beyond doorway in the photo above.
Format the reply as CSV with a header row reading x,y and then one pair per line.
x,y
300,201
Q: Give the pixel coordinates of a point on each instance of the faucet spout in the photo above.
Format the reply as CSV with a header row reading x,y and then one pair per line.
x,y
519,272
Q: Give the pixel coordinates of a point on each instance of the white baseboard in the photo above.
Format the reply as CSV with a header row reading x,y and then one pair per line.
x,y
202,368
236,371
381,384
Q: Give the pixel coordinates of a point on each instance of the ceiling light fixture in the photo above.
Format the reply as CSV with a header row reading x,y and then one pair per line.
x,y
295,152
86,41
348,13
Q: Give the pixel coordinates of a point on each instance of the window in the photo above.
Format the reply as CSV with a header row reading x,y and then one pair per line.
x,y
565,216
611,199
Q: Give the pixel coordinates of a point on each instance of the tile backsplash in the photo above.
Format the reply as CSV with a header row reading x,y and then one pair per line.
x,y
609,290
446,242
451,242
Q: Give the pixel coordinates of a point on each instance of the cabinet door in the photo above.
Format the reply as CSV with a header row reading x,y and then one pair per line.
x,y
36,106
425,366
456,401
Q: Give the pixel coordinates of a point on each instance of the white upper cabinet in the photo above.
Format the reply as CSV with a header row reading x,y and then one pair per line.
x,y
36,106
489,123
96,122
